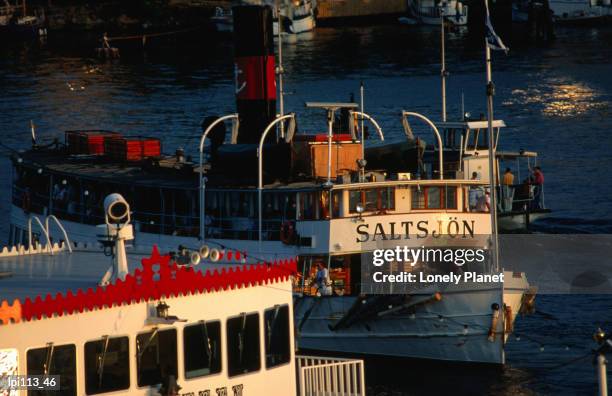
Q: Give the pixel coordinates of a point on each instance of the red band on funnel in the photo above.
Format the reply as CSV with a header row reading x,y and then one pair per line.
x,y
255,78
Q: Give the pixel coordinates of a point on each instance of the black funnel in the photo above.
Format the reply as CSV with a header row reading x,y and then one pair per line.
x,y
254,70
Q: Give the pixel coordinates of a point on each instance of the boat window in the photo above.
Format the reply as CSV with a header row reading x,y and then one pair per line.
x,y
202,349
450,192
278,348
443,197
156,356
54,360
308,207
336,198
452,137
243,351
376,199
434,195
107,365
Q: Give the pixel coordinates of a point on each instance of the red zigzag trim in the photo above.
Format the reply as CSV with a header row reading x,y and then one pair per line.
x,y
159,278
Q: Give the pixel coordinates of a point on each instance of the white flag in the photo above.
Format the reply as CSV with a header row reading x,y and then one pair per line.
x,y
493,40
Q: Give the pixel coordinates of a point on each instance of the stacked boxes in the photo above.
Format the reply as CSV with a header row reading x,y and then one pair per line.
x,y
88,141
132,148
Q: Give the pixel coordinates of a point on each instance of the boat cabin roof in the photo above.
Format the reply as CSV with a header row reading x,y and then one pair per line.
x,y
66,281
332,105
510,155
470,124
169,173
32,275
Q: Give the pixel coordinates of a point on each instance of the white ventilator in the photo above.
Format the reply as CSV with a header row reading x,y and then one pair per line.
x,y
194,258
204,251
215,255
118,230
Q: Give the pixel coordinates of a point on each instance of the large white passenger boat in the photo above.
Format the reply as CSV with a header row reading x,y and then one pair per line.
x,y
313,220
162,326
271,193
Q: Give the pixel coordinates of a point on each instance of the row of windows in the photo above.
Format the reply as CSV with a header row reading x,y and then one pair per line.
x,y
375,199
382,199
434,198
107,361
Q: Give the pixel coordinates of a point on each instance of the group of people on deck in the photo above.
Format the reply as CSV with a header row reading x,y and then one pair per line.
x,y
480,201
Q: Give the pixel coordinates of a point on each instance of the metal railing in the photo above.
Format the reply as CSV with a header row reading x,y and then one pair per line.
x,y
45,230
325,376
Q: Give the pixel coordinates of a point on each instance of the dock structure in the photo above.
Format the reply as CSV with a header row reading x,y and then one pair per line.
x,y
358,8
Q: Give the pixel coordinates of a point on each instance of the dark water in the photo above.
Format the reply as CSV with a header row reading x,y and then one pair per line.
x,y
556,99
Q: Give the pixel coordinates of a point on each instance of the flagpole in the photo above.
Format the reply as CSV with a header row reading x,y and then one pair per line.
x,y
492,184
443,65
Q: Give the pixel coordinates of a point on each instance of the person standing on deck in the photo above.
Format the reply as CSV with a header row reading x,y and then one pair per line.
x,y
538,192
322,281
475,192
507,190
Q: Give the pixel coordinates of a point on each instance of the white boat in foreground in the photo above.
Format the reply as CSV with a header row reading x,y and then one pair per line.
x,y
164,326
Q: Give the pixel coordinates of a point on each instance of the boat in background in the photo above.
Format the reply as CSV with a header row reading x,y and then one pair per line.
x,y
15,22
580,12
429,12
296,16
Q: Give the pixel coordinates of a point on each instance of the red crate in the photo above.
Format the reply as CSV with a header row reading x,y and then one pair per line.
x,y
132,148
88,141
322,137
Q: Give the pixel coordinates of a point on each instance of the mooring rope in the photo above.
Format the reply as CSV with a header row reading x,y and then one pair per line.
x,y
145,36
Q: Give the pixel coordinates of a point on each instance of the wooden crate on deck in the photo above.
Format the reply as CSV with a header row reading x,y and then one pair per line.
x,y
88,141
133,148
310,158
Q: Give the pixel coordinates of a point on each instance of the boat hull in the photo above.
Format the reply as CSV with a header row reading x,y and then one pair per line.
x,y
456,328
297,25
517,221
301,24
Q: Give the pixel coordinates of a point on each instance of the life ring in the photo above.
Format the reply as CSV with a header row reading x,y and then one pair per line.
x,y
287,232
26,201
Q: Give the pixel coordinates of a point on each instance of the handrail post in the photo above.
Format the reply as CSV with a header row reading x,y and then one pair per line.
x,y
363,115
61,227
438,137
44,231
330,130
260,168
202,188
373,121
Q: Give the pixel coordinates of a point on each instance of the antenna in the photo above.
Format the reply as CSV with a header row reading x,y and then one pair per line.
x,y
361,94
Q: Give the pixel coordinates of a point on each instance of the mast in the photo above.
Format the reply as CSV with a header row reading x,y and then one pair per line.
x,y
492,187
361,94
281,92
443,72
